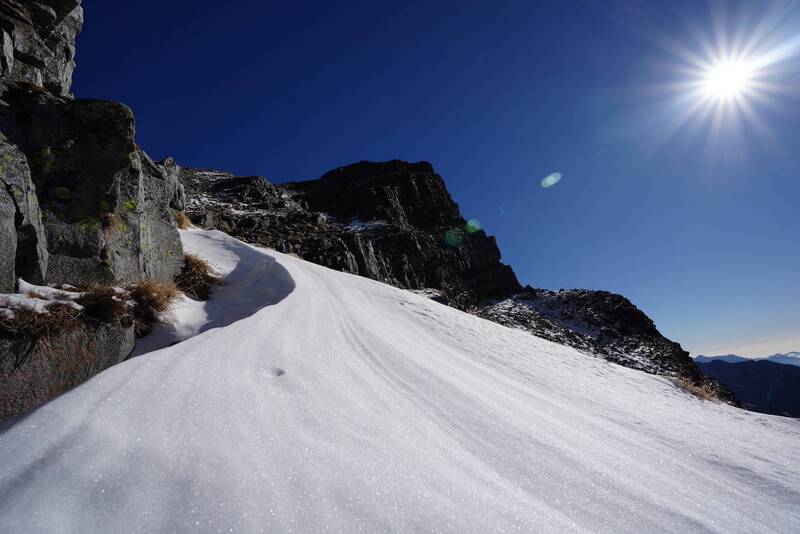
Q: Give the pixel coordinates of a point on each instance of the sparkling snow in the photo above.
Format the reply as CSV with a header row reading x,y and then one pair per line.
x,y
345,405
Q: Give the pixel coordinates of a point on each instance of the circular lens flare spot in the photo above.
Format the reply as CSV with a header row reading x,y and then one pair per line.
x,y
551,180
472,226
453,238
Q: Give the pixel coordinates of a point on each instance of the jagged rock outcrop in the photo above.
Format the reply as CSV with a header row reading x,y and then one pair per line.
x,y
598,322
38,42
392,221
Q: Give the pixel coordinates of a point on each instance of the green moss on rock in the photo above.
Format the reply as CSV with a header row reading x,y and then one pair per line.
x,y
129,206
62,193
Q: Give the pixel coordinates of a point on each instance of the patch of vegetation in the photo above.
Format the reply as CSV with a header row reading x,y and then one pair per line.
x,y
59,318
196,277
62,193
182,221
706,389
129,206
46,159
139,305
105,207
152,298
106,304
89,226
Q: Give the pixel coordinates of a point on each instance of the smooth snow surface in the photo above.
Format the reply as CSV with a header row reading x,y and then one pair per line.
x,y
351,406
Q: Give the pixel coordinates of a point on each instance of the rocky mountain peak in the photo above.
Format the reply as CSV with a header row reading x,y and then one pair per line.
x,y
401,193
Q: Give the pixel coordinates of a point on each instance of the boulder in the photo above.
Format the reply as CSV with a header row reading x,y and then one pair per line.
x,y
104,202
34,371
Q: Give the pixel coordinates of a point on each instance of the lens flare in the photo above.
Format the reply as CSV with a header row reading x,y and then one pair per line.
x,y
472,226
551,180
453,238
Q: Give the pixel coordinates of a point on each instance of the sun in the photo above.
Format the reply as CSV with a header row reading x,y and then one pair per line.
x,y
728,79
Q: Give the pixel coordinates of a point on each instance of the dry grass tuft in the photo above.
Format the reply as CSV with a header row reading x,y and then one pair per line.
x,y
152,298
182,221
105,304
27,323
703,388
196,277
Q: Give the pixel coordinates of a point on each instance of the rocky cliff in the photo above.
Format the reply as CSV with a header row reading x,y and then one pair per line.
x,y
392,221
80,202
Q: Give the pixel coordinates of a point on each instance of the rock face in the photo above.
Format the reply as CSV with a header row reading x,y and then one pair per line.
x,y
392,221
38,42
598,322
88,205
22,235
33,372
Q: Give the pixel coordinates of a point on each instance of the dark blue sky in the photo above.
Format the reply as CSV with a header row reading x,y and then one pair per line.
x,y
697,225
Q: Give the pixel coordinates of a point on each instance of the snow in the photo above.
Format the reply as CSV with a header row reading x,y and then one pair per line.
x,y
360,226
36,299
332,403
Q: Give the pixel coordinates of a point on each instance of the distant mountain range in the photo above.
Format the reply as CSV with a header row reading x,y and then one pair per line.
x,y
768,385
790,358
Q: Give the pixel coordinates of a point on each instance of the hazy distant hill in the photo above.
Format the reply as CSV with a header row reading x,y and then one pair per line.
x,y
770,385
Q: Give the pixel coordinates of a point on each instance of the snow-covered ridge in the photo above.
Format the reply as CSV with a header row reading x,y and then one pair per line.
x,y
347,405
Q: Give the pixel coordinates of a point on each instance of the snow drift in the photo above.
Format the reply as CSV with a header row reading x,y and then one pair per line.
x,y
336,403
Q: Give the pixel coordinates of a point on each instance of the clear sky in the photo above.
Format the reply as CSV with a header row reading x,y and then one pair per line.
x,y
692,214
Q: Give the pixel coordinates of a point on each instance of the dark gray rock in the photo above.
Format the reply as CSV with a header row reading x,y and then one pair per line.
x,y
38,42
175,194
22,235
104,202
598,322
34,371
386,221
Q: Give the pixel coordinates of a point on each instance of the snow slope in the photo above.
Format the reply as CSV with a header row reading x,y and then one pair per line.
x,y
345,405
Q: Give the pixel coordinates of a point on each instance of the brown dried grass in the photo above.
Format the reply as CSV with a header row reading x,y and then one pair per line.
x,y
704,389
196,277
182,221
28,323
152,299
106,305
